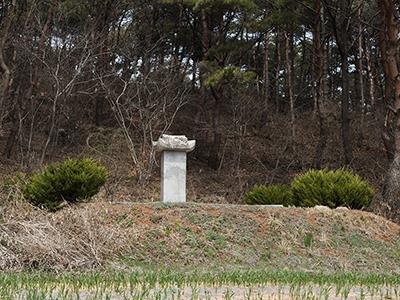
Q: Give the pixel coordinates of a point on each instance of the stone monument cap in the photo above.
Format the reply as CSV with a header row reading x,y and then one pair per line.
x,y
174,143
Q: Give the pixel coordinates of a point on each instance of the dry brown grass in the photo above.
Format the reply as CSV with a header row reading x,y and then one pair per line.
x,y
97,235
72,238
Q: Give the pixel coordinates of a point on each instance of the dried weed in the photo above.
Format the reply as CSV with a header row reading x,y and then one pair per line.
x,y
69,239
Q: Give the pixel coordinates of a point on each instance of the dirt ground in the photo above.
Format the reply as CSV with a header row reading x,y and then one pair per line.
x,y
101,234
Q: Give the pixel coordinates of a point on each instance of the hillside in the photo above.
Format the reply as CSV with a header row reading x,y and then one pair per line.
x,y
207,236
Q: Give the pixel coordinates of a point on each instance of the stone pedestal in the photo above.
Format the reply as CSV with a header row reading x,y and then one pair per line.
x,y
173,166
173,176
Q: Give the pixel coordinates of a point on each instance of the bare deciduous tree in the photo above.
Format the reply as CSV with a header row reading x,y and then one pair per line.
x,y
145,109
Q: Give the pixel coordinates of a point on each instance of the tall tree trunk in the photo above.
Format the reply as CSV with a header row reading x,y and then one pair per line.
x,y
314,77
389,69
301,80
390,56
290,89
371,79
266,71
5,68
6,81
209,39
205,46
320,85
103,57
340,15
346,137
360,73
277,60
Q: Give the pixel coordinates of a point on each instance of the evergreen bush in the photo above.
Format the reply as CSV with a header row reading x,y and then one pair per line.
x,y
72,181
331,188
269,195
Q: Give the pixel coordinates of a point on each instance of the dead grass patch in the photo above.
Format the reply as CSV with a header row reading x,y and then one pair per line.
x,y
96,235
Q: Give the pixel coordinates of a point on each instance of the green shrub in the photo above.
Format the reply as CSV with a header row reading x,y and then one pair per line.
x,y
72,181
331,188
272,194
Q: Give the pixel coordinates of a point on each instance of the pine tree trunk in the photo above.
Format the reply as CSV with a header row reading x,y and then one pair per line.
x,y
371,79
290,89
360,74
320,80
102,58
6,70
266,71
346,136
340,13
277,69
390,55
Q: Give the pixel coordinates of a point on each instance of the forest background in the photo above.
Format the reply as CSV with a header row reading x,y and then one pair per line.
x,y
268,88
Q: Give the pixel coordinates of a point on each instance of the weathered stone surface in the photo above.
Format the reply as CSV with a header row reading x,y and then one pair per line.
x,y
174,149
342,208
173,176
322,207
174,143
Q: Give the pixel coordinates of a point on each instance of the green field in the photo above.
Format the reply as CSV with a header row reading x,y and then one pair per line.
x,y
199,285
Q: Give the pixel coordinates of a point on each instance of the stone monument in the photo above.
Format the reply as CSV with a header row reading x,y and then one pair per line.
x,y
174,149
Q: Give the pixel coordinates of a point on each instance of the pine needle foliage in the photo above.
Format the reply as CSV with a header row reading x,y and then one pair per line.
x,y
332,188
72,181
269,195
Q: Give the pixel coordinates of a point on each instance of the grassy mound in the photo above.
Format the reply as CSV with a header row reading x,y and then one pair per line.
x,y
96,235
